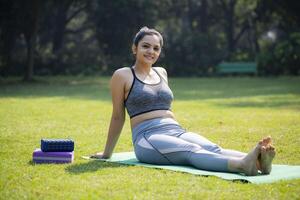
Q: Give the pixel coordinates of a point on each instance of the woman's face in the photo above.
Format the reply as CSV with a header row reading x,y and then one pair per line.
x,y
148,49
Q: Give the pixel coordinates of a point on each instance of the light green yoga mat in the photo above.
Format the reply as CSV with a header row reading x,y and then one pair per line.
x,y
279,172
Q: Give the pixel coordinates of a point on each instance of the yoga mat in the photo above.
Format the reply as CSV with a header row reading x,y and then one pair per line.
x,y
279,172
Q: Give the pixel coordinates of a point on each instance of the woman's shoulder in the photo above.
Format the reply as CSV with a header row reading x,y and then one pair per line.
x,y
122,72
162,71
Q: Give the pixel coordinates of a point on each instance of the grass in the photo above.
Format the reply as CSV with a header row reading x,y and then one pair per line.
x,y
233,112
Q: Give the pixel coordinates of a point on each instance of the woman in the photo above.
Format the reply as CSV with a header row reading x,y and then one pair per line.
x,y
157,138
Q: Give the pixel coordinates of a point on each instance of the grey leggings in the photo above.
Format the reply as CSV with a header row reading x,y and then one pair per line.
x,y
163,141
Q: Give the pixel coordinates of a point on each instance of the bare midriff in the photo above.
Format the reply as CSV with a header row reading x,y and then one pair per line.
x,y
151,115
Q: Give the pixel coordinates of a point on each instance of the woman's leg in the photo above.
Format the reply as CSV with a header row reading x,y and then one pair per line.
x,y
164,149
210,146
264,161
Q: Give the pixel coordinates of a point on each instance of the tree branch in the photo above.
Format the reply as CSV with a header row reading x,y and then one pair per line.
x,y
242,31
75,13
224,5
83,28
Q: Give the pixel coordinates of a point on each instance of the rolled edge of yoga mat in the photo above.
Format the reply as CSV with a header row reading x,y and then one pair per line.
x,y
39,156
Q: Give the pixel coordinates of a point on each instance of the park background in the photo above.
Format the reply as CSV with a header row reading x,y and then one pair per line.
x,y
56,60
75,37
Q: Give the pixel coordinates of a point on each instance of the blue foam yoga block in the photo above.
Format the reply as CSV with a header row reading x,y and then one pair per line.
x,y
57,145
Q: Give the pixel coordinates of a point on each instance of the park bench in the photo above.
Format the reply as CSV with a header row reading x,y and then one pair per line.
x,y
236,68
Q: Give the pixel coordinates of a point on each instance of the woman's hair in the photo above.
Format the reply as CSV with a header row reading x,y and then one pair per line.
x,y
147,31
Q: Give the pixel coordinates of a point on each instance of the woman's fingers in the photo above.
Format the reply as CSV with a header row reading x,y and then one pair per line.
x,y
97,155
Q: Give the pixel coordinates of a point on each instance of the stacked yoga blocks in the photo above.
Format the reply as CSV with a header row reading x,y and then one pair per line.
x,y
54,151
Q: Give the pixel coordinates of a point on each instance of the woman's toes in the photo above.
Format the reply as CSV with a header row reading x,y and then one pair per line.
x,y
272,148
266,140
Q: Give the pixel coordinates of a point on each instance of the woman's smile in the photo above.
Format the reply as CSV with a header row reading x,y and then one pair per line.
x,y
150,57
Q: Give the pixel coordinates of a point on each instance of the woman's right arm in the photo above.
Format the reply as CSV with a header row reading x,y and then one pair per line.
x,y
117,86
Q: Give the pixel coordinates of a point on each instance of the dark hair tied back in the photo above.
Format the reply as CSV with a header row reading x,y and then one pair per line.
x,y
146,31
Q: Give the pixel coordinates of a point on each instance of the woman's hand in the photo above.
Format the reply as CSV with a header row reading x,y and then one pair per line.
x,y
99,155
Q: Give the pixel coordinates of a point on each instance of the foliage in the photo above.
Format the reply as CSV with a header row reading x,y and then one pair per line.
x,y
190,53
116,22
95,37
281,57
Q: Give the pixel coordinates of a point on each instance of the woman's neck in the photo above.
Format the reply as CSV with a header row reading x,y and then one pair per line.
x,y
143,67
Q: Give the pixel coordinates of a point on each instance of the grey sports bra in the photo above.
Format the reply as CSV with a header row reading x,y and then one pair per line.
x,y
144,97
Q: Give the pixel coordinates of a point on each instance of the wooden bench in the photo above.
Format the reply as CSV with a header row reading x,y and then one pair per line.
x,y
236,68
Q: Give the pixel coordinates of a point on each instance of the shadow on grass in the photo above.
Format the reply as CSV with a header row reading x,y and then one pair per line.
x,y
272,102
89,89
186,89
91,166
230,88
30,162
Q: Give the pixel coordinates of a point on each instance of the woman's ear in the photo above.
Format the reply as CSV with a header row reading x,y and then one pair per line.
x,y
133,48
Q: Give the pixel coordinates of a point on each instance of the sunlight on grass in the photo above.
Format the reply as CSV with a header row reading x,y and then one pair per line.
x,y
233,112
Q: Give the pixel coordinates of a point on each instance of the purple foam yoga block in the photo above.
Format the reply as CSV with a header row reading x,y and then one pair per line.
x,y
39,156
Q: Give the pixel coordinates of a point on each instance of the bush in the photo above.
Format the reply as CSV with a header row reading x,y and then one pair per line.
x,y
192,54
282,57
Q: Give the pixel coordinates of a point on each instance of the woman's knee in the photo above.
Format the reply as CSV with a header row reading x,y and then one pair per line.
x,y
214,148
201,141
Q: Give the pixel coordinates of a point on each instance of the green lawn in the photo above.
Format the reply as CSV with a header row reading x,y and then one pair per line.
x,y
233,112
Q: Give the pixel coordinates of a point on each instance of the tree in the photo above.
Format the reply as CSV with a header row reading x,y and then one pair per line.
x,y
20,18
116,22
9,31
31,12
55,20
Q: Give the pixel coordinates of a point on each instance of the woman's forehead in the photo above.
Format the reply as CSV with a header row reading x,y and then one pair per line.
x,y
151,39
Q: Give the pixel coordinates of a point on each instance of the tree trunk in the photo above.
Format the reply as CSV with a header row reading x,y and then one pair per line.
x,y
185,26
8,34
230,27
61,22
203,17
30,58
228,9
30,36
8,38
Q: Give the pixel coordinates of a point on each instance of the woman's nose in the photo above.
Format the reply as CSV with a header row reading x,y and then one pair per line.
x,y
150,50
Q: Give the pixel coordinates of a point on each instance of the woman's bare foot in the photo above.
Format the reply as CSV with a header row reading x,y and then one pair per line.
x,y
249,166
266,155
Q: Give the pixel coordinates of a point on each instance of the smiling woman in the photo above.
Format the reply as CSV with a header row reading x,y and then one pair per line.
x,y
157,137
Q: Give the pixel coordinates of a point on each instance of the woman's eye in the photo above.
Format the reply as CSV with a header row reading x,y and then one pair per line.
x,y
145,46
156,49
